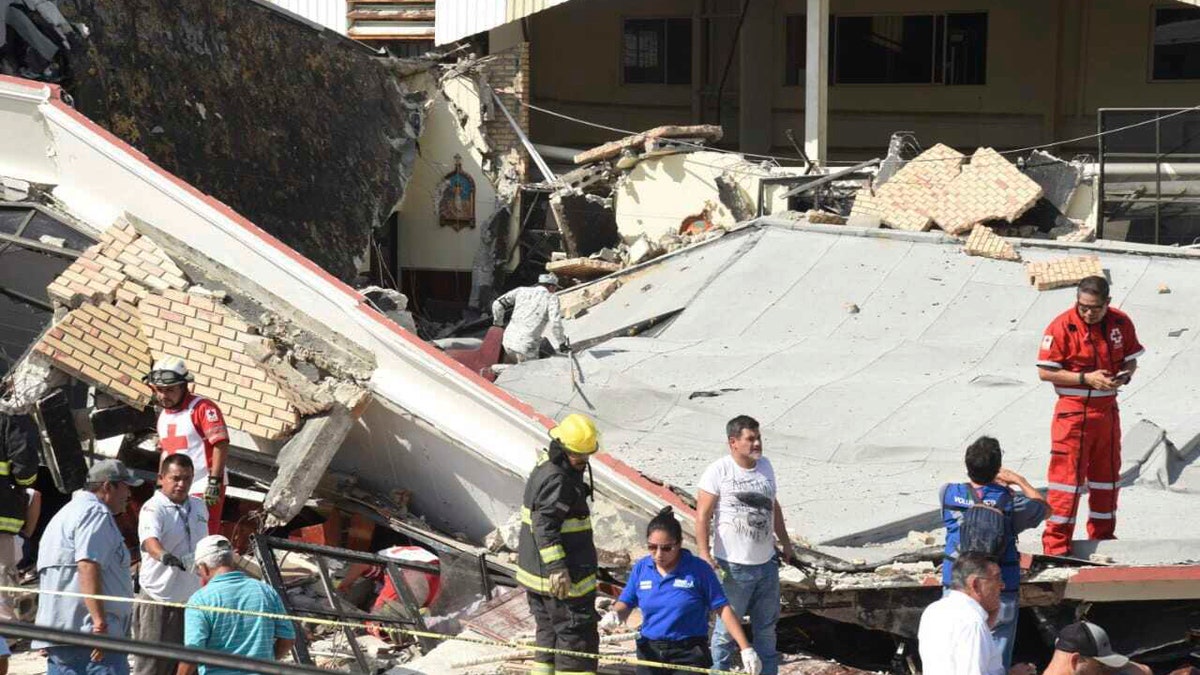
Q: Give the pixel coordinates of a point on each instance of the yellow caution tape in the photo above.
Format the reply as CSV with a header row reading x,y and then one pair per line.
x,y
611,658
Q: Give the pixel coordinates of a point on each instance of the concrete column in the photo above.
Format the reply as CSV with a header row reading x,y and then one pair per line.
x,y
756,59
816,80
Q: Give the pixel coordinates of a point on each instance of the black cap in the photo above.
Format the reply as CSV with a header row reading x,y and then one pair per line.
x,y
1088,639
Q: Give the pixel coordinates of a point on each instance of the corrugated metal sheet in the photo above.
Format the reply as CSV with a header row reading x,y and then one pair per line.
x,y
457,19
328,13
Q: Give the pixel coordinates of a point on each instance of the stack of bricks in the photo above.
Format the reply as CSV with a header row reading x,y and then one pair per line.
x,y
508,74
213,343
905,201
986,243
1060,272
989,188
120,254
102,343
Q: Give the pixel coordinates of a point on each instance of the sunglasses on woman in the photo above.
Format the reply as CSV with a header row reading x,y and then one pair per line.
x,y
665,548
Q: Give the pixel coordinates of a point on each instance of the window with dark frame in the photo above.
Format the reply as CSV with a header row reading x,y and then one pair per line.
x,y
795,40
910,49
657,51
1176,43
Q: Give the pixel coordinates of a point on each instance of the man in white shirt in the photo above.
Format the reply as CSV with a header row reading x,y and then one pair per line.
x,y
170,525
738,491
955,634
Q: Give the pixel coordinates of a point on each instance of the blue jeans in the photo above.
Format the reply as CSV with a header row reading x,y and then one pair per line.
x,y
1005,631
752,590
78,661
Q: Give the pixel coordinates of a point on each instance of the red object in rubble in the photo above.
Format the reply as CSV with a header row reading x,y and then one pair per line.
x,y
482,359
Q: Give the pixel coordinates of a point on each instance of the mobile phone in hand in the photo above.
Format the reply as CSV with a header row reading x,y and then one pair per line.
x,y
1123,377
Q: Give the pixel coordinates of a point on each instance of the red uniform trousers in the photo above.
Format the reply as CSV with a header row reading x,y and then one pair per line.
x,y
1085,456
214,512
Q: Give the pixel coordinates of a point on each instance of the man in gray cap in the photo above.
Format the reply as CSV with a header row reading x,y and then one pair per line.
x,y
525,313
82,551
1083,648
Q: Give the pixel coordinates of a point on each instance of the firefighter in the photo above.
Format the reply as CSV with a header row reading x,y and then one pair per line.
x,y
557,557
1088,353
195,425
18,471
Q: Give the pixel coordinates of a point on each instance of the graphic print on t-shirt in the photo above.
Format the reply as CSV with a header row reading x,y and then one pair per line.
x,y
752,516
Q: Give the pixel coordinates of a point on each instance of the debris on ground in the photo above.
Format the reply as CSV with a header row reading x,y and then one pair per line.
x,y
984,241
1061,272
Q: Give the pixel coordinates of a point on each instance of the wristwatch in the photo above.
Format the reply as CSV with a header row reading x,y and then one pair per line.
x,y
1081,378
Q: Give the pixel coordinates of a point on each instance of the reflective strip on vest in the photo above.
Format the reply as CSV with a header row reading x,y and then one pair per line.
x,y
540,668
542,584
576,672
1063,487
11,524
1086,393
568,525
552,553
5,468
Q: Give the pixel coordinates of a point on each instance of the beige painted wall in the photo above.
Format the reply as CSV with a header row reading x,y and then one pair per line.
x,y
424,244
576,69
660,192
1050,65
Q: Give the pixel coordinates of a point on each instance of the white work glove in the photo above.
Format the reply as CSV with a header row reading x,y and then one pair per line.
x,y
610,620
751,664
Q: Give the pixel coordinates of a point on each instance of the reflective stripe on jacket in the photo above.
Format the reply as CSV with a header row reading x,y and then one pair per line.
x,y
18,469
556,530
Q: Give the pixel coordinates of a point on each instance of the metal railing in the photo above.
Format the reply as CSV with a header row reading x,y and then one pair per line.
x,y
1149,175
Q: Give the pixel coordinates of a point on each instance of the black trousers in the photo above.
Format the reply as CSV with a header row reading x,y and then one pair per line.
x,y
691,652
565,624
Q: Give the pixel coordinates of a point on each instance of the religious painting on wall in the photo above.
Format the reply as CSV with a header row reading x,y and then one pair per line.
x,y
456,199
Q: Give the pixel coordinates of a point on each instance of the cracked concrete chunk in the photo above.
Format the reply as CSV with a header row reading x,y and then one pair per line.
x,y
303,461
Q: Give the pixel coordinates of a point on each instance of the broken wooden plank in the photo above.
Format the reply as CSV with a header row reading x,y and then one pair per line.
x,y
611,149
582,268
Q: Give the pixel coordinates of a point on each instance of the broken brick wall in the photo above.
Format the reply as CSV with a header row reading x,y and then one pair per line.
x,y
306,133
509,72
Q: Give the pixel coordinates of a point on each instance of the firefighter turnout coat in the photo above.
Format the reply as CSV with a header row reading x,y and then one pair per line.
x,y
18,469
556,530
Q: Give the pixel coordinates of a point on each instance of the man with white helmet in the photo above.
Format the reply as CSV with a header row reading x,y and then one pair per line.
x,y
528,310
193,425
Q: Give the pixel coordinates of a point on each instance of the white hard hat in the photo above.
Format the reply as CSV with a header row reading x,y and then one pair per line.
x,y
168,371
549,278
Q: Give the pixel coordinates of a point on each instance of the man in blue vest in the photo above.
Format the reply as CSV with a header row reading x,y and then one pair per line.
x,y
992,485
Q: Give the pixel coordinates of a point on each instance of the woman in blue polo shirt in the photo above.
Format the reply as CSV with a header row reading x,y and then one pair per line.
x,y
676,592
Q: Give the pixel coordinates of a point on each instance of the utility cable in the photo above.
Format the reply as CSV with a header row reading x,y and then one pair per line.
x,y
777,158
336,623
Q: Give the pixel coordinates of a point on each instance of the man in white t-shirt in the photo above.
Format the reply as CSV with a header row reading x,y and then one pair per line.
x,y
170,525
738,492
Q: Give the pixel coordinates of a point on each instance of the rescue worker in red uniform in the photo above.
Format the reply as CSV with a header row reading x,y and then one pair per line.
x,y
1088,353
195,425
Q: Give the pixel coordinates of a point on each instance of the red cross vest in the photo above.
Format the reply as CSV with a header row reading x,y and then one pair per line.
x,y
196,427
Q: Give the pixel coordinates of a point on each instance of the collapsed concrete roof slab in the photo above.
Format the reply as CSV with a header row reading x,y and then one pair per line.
x,y
872,358
461,445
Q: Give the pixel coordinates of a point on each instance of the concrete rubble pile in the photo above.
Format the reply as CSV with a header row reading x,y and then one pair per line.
x,y
125,303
